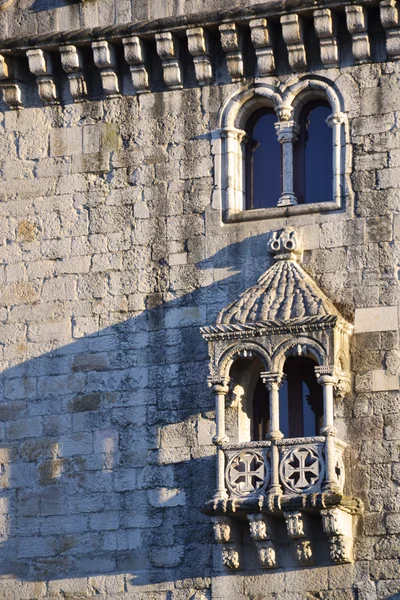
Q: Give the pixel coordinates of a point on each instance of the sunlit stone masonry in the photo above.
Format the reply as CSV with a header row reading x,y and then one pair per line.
x,y
199,267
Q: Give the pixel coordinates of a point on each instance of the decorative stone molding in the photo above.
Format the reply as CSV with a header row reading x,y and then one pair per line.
x,y
298,528
223,530
105,60
262,45
231,45
198,45
135,56
11,88
168,51
40,65
292,32
390,21
230,558
338,525
324,29
356,19
72,63
261,534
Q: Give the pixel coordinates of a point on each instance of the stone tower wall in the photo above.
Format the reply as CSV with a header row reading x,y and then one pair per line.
x,y
112,255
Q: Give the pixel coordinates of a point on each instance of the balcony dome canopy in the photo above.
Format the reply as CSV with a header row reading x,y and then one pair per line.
x,y
283,293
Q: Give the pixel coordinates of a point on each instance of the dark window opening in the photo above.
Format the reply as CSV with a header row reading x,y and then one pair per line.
x,y
301,399
263,161
313,155
260,412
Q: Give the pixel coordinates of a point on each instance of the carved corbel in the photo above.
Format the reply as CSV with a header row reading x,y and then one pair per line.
x,y
356,19
105,60
40,65
390,22
135,56
198,45
168,51
324,29
10,86
298,529
261,533
72,63
232,46
292,32
338,526
225,533
262,45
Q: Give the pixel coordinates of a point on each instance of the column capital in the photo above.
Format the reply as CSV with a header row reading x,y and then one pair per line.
x,y
272,380
335,119
326,375
218,385
287,131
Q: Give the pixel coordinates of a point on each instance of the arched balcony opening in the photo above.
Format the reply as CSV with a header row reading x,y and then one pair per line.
x,y
249,399
300,399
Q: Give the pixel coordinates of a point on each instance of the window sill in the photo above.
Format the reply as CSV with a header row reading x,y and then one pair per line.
x,y
275,212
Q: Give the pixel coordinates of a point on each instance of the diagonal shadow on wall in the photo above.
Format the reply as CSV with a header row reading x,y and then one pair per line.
x,y
106,455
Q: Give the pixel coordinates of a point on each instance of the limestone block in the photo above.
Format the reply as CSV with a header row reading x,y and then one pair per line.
x,y
382,382
262,45
40,64
198,45
324,28
232,46
356,19
105,60
383,318
164,497
167,556
135,56
292,32
168,51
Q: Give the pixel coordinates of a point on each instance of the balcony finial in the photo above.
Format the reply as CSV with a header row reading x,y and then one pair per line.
x,y
286,244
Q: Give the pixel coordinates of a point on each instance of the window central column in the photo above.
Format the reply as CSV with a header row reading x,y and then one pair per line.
x,y
287,132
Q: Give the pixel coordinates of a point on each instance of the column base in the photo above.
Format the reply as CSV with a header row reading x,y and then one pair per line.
x,y
288,199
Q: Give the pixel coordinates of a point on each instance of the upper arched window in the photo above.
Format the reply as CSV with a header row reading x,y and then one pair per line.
x,y
313,163
263,160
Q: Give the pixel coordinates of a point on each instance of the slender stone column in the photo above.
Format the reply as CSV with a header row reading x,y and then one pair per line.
x,y
335,122
328,381
287,132
220,389
273,382
233,168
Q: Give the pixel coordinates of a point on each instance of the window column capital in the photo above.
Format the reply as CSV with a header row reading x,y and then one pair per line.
x,y
287,131
273,380
335,119
218,385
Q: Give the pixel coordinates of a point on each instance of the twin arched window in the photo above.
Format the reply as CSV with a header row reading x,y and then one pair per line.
x,y
301,399
312,164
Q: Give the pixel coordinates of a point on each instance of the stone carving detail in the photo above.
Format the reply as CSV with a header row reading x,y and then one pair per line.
x,y
72,63
258,529
293,36
390,22
199,49
222,531
262,45
231,45
267,555
304,552
40,65
247,473
105,60
135,54
302,469
168,51
337,524
10,86
324,28
356,18
230,558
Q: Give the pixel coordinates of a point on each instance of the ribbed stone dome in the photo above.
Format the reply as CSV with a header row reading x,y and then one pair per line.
x,y
283,293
